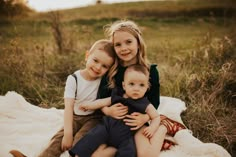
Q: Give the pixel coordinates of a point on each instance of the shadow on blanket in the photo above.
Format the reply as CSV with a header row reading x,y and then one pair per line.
x,y
29,128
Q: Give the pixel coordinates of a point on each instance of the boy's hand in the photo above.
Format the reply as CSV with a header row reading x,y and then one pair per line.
x,y
67,142
148,131
86,107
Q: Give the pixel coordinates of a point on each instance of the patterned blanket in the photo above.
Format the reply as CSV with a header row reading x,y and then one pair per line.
x,y
29,128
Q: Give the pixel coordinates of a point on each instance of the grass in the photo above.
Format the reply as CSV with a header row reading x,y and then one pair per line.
x,y
195,54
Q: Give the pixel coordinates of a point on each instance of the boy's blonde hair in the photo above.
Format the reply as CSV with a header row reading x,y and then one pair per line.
x,y
106,46
132,28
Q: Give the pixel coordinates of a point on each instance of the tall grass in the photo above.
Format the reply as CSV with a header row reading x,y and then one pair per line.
x,y
211,91
205,80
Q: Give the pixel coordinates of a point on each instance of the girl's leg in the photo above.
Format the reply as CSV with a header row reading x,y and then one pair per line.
x,y
104,151
150,147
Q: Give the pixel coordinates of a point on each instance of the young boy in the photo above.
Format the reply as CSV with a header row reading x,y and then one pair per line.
x,y
114,132
80,89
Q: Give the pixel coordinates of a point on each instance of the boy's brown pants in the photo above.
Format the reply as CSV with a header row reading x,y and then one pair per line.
x,y
81,125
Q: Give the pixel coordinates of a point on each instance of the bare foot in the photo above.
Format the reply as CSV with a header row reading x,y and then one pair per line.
x,y
17,153
171,125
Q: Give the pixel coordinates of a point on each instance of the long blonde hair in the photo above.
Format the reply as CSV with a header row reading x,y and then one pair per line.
x,y
132,28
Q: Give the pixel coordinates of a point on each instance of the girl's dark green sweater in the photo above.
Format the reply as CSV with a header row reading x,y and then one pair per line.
x,y
153,93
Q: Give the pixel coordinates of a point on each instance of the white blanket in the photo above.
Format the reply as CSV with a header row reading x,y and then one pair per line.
x,y
29,128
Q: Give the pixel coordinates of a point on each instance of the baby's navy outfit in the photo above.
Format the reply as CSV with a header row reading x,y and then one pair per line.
x,y
112,132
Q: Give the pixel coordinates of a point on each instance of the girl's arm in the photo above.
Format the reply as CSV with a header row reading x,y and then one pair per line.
x,y
117,111
153,93
68,123
136,120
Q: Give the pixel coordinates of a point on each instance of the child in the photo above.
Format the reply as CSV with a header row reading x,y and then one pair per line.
x,y
114,132
77,122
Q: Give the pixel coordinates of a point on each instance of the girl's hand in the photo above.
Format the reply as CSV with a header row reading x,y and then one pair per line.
x,y
67,142
117,111
136,120
148,131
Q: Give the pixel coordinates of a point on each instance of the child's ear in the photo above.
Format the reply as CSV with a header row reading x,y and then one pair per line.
x,y
123,85
149,86
86,55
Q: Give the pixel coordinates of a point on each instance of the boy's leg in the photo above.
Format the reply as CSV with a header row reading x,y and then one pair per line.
x,y
87,126
127,148
54,147
52,150
90,142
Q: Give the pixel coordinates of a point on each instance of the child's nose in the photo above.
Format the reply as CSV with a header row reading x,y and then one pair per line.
x,y
136,88
98,67
123,47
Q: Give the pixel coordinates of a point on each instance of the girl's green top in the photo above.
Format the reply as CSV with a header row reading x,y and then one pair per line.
x,y
153,93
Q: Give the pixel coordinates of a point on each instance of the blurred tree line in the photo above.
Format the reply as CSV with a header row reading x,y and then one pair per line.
x,y
11,8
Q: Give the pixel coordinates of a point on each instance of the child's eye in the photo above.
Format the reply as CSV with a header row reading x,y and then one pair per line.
x,y
129,41
131,84
104,66
117,45
95,60
142,85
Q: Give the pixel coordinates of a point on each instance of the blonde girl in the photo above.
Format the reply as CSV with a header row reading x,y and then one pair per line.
x,y
131,49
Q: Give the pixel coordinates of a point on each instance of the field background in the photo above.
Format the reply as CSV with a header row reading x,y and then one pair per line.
x,y
192,42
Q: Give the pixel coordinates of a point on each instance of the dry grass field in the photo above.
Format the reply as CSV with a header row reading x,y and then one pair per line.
x,y
193,43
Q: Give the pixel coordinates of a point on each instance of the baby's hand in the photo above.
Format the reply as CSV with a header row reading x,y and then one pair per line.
x,y
148,131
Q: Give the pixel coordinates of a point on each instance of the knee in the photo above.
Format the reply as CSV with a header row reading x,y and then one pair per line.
x,y
98,151
96,154
147,152
143,153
